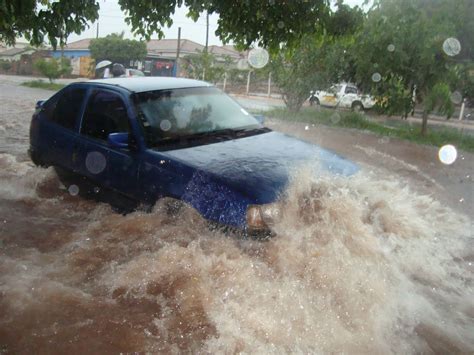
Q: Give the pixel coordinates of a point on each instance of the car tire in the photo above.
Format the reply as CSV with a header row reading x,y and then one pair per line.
x,y
314,101
68,178
36,159
357,106
87,189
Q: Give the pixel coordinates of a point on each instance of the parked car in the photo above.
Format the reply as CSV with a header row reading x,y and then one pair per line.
x,y
342,95
133,72
148,138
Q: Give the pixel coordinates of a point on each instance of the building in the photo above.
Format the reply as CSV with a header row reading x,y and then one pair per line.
x,y
75,49
160,59
14,54
80,56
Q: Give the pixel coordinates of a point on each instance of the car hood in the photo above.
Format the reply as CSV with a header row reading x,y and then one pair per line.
x,y
260,166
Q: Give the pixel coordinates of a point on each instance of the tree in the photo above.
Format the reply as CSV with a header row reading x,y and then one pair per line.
x,y
318,59
53,68
117,49
400,52
269,22
204,66
5,65
38,20
298,71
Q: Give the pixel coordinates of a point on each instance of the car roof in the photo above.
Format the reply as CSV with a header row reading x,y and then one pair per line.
x,y
150,83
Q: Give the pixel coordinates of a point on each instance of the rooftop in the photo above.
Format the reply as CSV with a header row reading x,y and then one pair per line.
x,y
142,84
15,51
82,44
167,47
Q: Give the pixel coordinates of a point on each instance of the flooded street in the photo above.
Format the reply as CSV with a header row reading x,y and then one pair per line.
x,y
381,262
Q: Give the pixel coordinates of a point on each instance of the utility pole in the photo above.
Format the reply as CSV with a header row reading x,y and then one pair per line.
x,y
97,30
176,70
207,31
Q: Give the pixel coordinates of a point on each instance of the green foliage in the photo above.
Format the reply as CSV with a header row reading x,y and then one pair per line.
x,y
40,84
117,49
319,60
439,97
65,66
402,40
403,130
269,22
38,20
5,65
297,71
52,68
204,66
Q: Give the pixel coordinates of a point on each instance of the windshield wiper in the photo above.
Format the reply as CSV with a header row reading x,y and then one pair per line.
x,y
226,133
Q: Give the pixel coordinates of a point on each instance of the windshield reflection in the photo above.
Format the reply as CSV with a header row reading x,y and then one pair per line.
x,y
170,115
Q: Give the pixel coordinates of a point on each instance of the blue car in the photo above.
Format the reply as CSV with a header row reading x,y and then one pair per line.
x,y
149,138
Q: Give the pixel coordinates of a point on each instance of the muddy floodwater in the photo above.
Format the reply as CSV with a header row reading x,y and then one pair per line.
x,y
381,262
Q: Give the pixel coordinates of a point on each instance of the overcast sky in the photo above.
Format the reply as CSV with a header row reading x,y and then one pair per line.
x,y
111,19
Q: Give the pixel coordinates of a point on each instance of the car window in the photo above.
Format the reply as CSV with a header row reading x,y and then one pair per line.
x,y
64,109
105,113
351,90
134,72
334,89
190,111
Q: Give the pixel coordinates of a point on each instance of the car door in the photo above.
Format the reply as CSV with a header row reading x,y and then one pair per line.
x,y
109,166
59,129
349,96
329,98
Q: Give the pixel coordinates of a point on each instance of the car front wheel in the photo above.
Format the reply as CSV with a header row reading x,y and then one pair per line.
x,y
357,107
313,101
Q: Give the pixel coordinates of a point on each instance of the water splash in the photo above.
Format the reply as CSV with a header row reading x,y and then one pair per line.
x,y
357,265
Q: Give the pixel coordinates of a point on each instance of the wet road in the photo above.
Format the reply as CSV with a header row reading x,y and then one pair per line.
x,y
381,262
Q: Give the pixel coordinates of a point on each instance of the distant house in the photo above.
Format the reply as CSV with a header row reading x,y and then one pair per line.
x,y
226,51
73,50
161,56
14,54
79,54
160,59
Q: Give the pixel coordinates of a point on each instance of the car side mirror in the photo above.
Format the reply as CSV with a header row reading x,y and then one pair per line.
x,y
260,118
118,140
39,104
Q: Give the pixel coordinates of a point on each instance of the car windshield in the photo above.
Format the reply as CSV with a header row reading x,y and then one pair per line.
x,y
334,89
177,113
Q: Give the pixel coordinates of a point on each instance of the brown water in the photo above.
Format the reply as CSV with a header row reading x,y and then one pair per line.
x,y
358,265
361,265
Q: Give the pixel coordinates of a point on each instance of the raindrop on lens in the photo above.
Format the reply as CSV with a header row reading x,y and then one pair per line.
x,y
242,64
448,154
451,46
391,48
95,162
456,97
376,77
335,118
73,190
165,125
384,140
258,58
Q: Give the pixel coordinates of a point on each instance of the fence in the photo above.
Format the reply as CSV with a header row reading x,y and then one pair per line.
x,y
248,83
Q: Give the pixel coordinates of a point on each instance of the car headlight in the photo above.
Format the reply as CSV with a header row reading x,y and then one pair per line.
x,y
261,217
